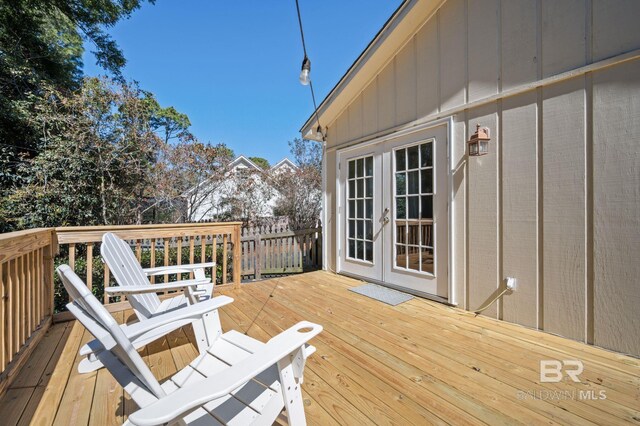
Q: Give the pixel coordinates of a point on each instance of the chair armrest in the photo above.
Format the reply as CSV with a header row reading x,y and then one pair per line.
x,y
177,269
188,398
154,288
180,316
193,312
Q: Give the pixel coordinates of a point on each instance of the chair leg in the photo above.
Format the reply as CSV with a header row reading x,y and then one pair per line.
x,y
292,393
207,330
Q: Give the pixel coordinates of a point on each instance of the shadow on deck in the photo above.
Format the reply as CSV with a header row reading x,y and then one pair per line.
x,y
416,363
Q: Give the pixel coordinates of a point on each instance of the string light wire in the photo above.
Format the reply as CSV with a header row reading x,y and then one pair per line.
x,y
304,49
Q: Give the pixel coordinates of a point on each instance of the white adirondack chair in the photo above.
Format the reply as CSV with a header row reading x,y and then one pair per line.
x,y
236,381
134,283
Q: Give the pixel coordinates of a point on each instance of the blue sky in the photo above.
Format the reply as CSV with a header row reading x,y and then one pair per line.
x,y
233,67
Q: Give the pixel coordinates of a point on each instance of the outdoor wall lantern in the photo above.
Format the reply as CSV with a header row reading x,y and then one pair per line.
x,y
479,142
306,70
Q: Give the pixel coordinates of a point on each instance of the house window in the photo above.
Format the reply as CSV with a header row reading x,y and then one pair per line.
x,y
360,209
414,226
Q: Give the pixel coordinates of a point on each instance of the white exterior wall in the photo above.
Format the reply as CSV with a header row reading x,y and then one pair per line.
x,y
556,202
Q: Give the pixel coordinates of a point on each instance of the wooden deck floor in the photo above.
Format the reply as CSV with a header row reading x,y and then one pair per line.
x,y
417,363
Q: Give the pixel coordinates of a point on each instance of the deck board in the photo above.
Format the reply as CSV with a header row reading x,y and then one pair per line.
x,y
420,362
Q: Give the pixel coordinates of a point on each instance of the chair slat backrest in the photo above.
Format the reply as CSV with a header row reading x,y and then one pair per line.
x,y
127,271
93,315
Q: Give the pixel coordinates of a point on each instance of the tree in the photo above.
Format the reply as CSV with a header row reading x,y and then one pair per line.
x,y
41,48
171,123
300,191
246,196
189,173
98,150
263,163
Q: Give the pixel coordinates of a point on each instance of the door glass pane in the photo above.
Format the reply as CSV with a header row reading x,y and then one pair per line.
x,y
426,180
426,155
401,258
360,188
368,252
427,207
426,260
413,258
414,182
360,209
400,160
401,183
413,210
368,211
413,233
401,232
401,208
412,156
414,225
427,234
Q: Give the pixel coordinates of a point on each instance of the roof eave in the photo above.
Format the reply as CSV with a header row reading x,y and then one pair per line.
x,y
371,60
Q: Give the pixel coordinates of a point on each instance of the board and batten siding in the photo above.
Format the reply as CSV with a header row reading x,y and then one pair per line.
x,y
556,202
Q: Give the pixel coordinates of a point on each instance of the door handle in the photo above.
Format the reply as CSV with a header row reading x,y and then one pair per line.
x,y
385,216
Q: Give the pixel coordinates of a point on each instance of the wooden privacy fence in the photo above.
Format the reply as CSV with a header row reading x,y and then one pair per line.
x,y
274,250
30,292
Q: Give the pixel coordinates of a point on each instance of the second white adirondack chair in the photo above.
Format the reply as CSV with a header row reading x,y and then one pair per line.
x,y
236,381
134,283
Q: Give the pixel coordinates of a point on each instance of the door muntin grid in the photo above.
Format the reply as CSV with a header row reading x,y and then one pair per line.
x,y
360,209
413,197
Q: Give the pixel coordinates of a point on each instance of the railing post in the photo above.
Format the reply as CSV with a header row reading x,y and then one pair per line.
x,y
237,254
257,261
49,253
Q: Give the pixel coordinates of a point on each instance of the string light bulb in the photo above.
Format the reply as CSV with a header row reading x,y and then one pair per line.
x,y
305,72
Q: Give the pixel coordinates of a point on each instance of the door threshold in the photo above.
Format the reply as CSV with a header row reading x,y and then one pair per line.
x,y
417,293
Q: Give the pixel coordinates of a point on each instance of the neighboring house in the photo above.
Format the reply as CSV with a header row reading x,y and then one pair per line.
x,y
554,203
245,189
284,165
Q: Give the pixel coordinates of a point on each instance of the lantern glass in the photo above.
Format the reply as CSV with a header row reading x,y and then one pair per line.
x,y
473,148
484,147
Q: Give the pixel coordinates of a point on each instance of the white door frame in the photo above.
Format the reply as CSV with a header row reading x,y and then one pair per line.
x,y
448,122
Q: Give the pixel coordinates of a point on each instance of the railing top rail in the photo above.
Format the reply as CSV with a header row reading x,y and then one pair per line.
x,y
88,234
284,234
15,244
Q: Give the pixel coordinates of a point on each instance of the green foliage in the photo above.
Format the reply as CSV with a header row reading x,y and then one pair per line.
x,y
172,123
97,150
41,48
263,163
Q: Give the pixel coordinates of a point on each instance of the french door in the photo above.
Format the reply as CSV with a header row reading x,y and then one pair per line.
x,y
393,212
